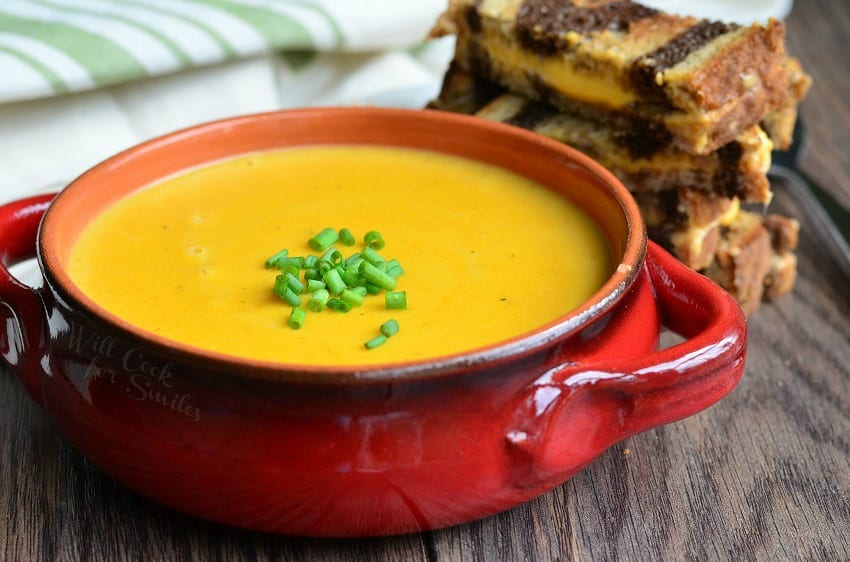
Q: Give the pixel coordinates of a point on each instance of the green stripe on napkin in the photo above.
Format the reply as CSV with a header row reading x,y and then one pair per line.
x,y
277,29
105,61
226,47
59,87
179,53
339,36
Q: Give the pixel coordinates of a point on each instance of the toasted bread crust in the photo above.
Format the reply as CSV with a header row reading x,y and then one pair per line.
x,y
684,111
755,259
779,124
737,170
688,223
705,88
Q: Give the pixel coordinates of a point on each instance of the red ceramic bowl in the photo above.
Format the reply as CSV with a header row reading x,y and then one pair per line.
x,y
357,452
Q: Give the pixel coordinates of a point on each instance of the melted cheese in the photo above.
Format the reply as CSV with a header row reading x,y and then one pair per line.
x,y
559,74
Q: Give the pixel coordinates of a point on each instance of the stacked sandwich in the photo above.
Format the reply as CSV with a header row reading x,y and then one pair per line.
x,y
684,111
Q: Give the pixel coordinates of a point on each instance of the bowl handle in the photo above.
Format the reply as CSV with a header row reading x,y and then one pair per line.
x,y
21,308
575,411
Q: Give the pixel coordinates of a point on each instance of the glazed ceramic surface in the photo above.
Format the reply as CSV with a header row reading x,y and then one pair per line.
x,y
359,452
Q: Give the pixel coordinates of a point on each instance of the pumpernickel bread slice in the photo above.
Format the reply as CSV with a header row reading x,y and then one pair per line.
x,y
691,83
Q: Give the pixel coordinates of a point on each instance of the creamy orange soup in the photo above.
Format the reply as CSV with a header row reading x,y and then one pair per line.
x,y
488,255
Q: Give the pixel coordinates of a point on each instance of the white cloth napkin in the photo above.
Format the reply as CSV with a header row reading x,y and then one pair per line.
x,y
81,80
85,79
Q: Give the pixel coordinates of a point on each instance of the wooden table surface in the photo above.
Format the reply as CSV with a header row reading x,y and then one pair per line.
x,y
765,474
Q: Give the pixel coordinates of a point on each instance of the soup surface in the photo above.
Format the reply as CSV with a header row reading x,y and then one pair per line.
x,y
488,255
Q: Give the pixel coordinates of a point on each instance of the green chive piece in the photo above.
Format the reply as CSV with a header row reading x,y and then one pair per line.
x,y
375,342
291,297
322,240
361,290
346,238
389,328
371,256
290,270
351,277
339,305
376,276
372,289
312,274
272,261
332,255
319,300
396,300
334,281
325,266
352,258
296,318
354,263
279,285
311,261
293,283
373,239
351,297
395,271
314,285
297,262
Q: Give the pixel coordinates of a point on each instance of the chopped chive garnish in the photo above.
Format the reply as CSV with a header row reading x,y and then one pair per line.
x,y
314,285
322,240
376,276
297,262
351,277
376,341
339,305
296,318
396,300
293,283
339,283
373,239
319,300
334,281
346,238
291,297
389,328
272,261
351,297
332,255
394,268
372,289
279,285
371,256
